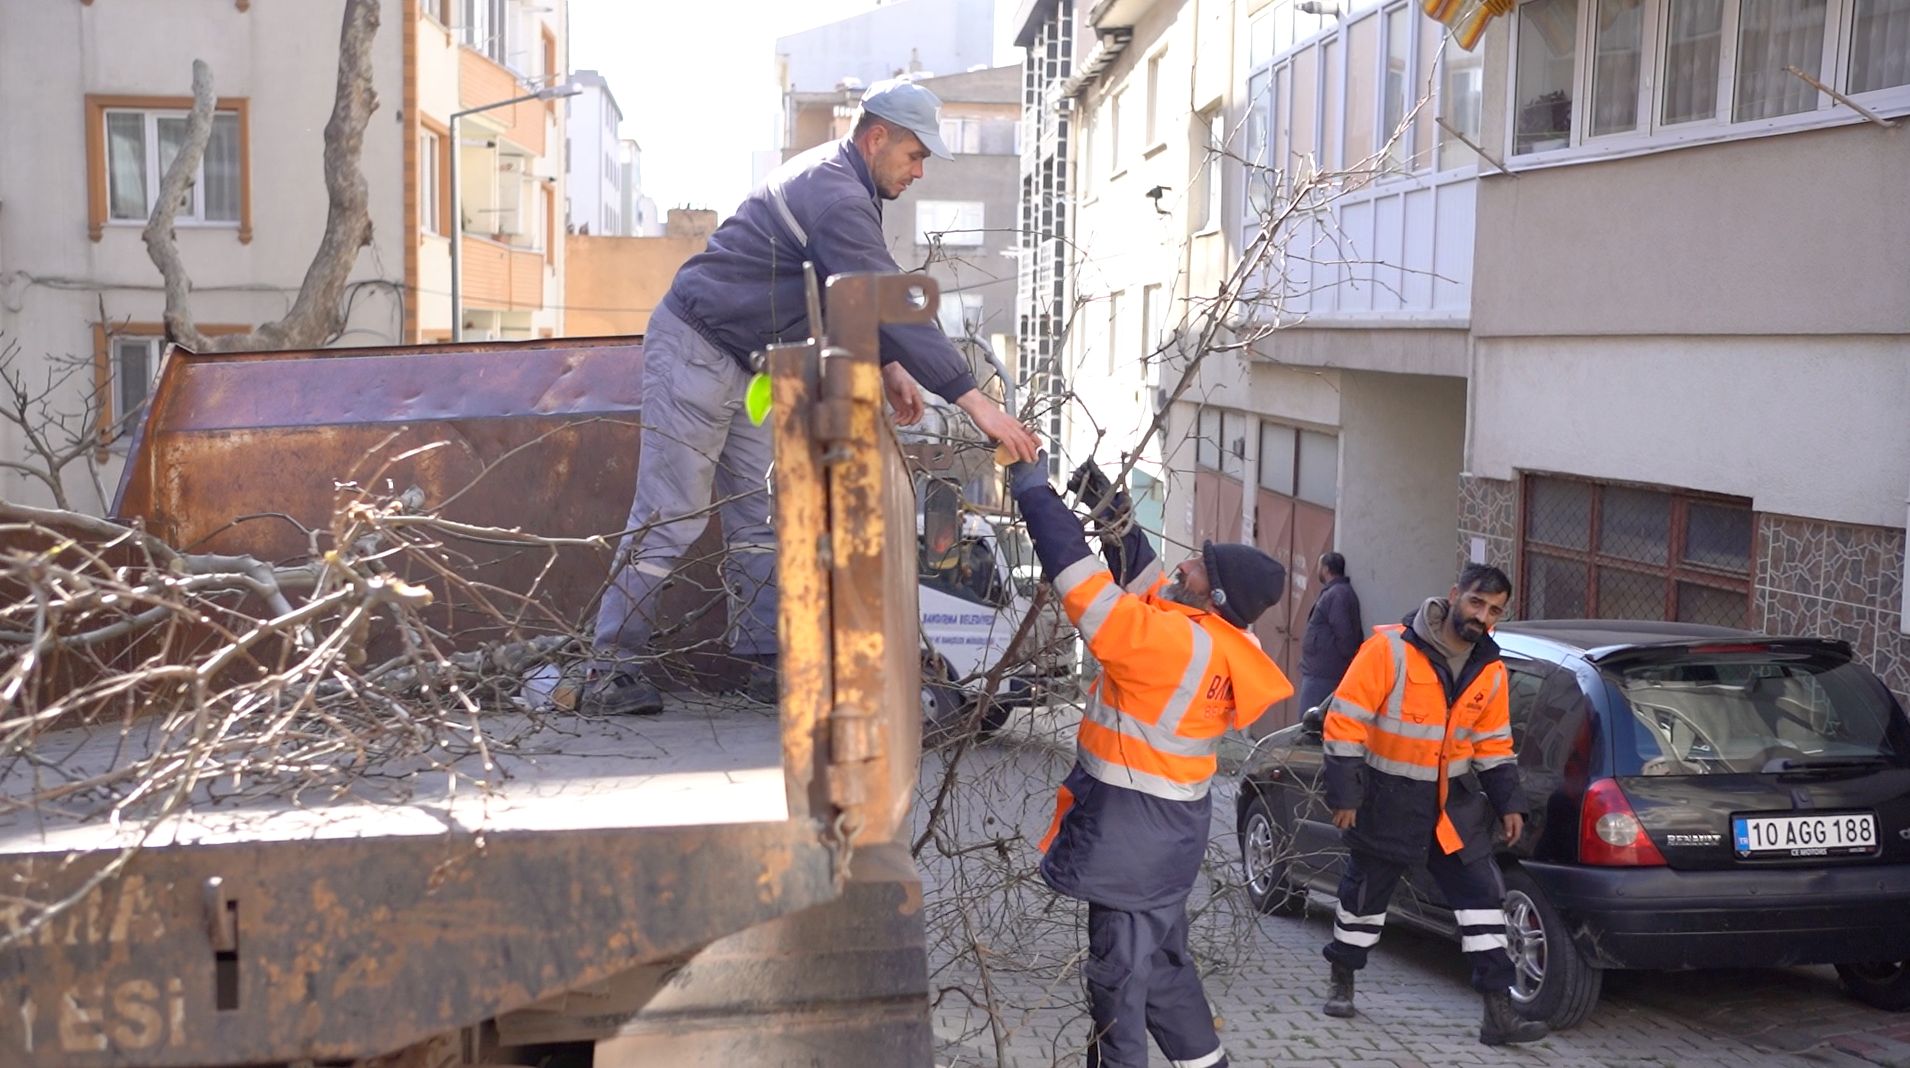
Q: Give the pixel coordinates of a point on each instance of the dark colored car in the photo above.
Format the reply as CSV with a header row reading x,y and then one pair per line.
x,y
1700,797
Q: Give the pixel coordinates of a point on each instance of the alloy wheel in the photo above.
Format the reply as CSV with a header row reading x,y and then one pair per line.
x,y
1525,940
1262,857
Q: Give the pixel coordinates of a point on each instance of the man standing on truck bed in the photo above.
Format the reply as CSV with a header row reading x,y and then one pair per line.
x,y
1418,742
744,293
1179,668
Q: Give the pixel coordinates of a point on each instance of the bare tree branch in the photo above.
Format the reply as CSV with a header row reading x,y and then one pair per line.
x,y
317,316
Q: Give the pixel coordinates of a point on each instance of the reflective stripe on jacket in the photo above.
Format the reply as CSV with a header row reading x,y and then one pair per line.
x,y
1173,680
1394,713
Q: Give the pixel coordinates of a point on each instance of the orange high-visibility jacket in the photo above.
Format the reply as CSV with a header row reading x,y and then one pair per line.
x,y
1392,714
1173,680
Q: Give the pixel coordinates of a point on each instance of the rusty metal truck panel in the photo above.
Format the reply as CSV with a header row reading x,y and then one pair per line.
x,y
334,927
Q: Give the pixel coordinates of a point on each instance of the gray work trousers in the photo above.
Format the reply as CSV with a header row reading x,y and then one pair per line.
x,y
697,447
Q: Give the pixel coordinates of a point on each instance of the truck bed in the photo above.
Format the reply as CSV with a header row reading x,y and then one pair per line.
x,y
703,761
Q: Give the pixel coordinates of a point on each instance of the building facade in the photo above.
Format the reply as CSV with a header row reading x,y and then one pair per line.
x,y
1692,319
94,97
1268,248
593,158
1607,275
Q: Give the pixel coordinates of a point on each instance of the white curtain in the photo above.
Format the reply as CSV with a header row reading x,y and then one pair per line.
x,y
1880,45
1774,34
126,164
1619,45
1694,38
221,169
172,136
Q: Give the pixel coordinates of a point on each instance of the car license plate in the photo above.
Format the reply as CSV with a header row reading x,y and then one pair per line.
x,y
1830,834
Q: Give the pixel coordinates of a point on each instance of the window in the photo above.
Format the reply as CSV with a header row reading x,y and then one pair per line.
x,y
1115,301
1618,52
1395,88
1694,68
1542,80
968,135
431,178
1084,167
1222,442
960,313
1207,439
1153,326
140,146
1205,203
1115,161
1600,551
133,366
948,222
1879,45
485,27
1461,91
1304,464
1153,131
1261,163
434,9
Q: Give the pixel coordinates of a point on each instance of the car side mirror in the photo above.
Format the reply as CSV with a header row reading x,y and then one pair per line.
x,y
941,516
1313,721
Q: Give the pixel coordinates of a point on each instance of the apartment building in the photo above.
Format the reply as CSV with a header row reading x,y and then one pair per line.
x,y
1691,316
99,91
1290,161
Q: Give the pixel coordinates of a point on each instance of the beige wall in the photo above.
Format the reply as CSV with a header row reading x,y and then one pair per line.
x,y
1400,449
1801,426
55,281
612,284
1801,233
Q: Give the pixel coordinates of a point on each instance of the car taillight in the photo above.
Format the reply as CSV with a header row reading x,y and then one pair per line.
x,y
1609,832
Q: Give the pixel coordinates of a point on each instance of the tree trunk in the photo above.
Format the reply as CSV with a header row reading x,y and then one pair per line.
x,y
318,315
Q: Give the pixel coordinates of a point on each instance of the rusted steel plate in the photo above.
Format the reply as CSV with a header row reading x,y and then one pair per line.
x,y
877,719
347,948
243,453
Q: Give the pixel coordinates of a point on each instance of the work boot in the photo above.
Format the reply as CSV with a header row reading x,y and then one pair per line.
x,y
616,692
1504,1026
1339,996
765,684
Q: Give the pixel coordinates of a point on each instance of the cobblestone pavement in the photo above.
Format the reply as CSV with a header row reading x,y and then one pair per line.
x,y
1266,977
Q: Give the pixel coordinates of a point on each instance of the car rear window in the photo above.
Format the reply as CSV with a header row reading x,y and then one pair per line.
x,y
1751,709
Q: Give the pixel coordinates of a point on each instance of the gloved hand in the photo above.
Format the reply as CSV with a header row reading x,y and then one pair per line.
x,y
1024,475
1107,505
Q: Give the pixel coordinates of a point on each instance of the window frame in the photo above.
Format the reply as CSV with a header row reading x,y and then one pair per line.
x,y
1652,134
99,215
106,379
1334,72
953,234
434,197
1675,571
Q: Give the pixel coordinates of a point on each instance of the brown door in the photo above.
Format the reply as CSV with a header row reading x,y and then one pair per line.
x,y
1295,533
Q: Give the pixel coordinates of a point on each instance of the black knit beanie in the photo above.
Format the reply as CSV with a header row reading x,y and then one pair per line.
x,y
1246,581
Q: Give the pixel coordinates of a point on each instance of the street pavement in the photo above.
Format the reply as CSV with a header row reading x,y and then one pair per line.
x,y
1266,979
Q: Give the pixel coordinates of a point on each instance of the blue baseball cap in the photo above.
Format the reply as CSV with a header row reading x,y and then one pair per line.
x,y
911,107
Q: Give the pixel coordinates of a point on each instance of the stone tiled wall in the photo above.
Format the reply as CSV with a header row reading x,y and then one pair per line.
x,y
1836,580
1488,509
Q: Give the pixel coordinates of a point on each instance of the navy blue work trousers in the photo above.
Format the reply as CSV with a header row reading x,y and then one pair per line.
x,y
1141,981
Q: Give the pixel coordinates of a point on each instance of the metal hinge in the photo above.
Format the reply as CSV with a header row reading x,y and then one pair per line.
x,y
856,743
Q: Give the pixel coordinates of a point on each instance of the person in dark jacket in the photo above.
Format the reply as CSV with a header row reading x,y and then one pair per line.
x,y
1333,633
742,294
1418,752
1179,668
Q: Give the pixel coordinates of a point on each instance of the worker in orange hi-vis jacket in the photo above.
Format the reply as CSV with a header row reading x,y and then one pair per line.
x,y
1179,668
1419,757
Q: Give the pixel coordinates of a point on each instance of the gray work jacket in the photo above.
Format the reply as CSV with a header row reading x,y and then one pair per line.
x,y
745,291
